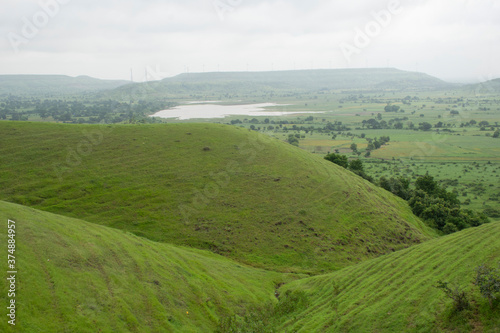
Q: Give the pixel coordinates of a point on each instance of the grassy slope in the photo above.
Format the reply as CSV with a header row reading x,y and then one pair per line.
x,y
395,293
250,197
75,276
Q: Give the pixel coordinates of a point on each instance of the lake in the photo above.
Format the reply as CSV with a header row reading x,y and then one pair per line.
x,y
207,111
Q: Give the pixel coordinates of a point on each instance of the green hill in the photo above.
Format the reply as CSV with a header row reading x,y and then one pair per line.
x,y
74,276
256,83
53,85
233,191
396,293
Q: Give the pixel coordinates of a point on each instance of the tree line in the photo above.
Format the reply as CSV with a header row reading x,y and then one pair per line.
x,y
428,200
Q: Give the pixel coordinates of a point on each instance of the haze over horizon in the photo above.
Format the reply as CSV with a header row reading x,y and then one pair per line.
x,y
457,41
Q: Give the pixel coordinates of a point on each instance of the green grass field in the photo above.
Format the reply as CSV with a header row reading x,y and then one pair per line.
x,y
396,293
222,188
75,276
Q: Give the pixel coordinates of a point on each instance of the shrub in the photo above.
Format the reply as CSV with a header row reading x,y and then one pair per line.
x,y
338,159
265,318
487,279
459,296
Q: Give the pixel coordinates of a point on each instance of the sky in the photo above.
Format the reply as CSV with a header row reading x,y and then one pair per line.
x,y
454,40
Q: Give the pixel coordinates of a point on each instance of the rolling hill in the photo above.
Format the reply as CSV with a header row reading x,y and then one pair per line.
x,y
396,293
255,83
233,191
75,276
53,85
393,293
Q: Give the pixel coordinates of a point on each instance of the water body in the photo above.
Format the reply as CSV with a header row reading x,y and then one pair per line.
x,y
208,111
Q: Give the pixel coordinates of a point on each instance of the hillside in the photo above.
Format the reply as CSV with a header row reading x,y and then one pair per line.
x,y
75,276
483,88
230,190
53,85
330,79
254,83
396,293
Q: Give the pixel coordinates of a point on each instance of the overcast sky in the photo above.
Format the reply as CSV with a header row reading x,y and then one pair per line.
x,y
455,40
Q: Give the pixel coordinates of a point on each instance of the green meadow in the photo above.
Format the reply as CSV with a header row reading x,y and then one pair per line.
x,y
226,189
76,276
397,293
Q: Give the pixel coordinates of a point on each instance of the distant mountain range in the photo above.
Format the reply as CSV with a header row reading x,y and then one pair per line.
x,y
53,85
328,79
369,79
258,83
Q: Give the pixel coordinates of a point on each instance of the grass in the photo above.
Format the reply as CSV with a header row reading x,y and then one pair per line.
x,y
396,293
232,191
75,276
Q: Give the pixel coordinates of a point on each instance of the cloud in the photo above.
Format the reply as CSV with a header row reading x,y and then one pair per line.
x,y
448,38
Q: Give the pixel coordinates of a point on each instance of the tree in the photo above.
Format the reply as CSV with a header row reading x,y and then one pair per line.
x,y
356,165
338,159
293,140
496,134
425,126
427,184
391,108
354,147
398,186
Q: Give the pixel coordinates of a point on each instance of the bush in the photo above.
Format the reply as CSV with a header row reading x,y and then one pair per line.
x,y
338,159
487,279
492,212
265,318
459,296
